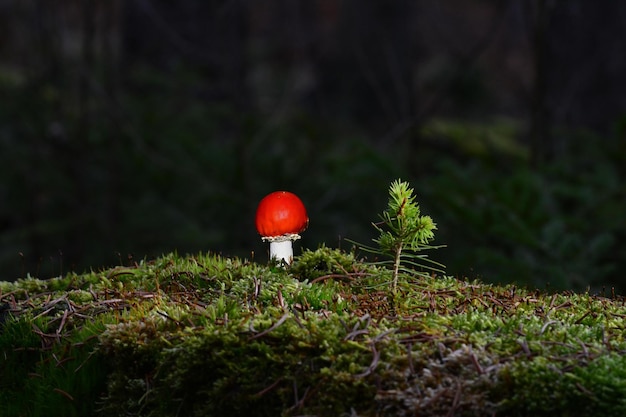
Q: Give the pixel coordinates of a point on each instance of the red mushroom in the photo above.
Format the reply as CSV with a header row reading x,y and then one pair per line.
x,y
279,218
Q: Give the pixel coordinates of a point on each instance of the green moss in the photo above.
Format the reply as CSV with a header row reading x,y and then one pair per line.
x,y
542,387
49,373
208,335
329,263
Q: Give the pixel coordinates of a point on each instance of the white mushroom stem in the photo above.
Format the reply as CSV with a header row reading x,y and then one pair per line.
x,y
281,248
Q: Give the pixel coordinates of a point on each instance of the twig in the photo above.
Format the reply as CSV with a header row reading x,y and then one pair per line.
x,y
63,320
63,393
373,365
269,388
274,326
347,275
545,326
477,365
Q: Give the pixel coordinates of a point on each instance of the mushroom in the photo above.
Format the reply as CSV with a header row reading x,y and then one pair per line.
x,y
279,218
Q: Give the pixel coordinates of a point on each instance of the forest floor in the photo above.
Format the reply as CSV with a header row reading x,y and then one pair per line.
x,y
209,335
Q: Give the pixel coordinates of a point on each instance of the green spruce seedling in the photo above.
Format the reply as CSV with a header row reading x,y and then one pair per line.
x,y
404,232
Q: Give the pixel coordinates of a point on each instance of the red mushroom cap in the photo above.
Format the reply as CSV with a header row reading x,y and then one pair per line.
x,y
281,213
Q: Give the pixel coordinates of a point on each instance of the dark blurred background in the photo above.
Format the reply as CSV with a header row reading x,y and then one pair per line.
x,y
133,128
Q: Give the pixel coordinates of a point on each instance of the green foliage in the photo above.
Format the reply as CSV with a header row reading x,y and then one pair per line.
x,y
403,229
149,176
407,229
553,224
189,179
477,139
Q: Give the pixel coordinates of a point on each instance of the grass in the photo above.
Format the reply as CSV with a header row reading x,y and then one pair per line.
x,y
209,335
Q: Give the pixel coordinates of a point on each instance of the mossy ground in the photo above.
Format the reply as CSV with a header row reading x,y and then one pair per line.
x,y
207,335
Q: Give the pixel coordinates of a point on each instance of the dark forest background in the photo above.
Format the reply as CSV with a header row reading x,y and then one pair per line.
x,y
133,128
